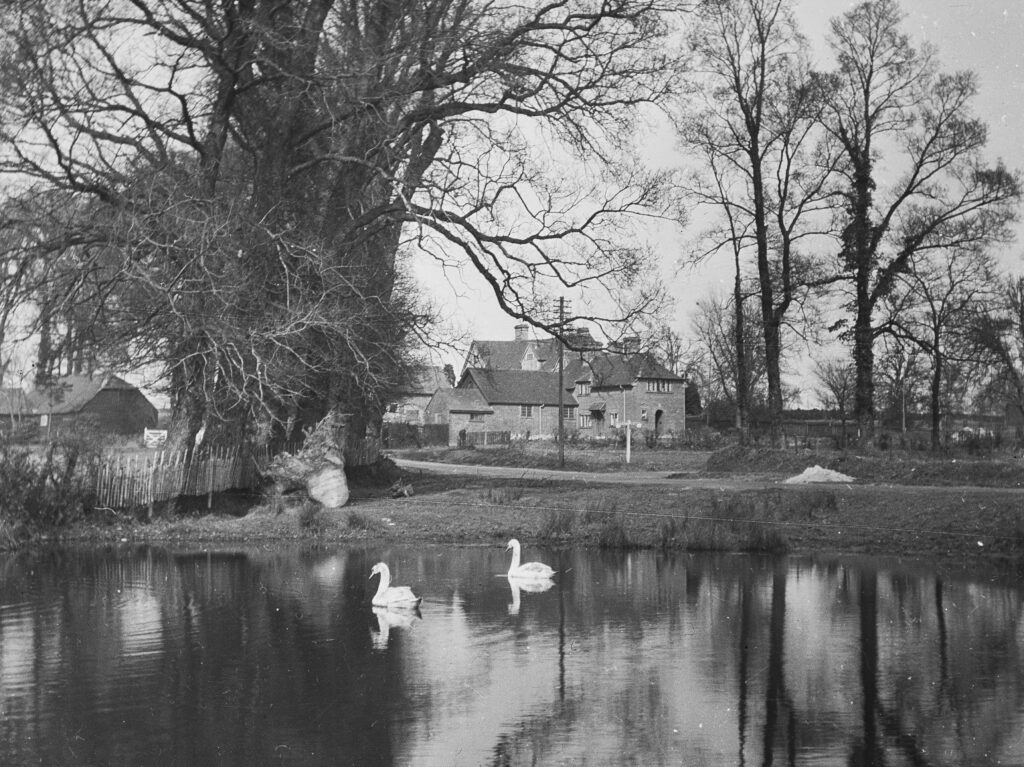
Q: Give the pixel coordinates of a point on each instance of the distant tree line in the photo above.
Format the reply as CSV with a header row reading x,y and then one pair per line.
x,y
856,201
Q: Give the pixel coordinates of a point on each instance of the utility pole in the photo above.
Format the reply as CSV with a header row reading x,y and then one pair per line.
x,y
684,406
561,385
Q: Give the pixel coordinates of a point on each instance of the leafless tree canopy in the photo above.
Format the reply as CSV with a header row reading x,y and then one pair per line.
x,y
913,178
230,189
765,163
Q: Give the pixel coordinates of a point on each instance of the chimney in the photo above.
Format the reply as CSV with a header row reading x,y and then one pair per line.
x,y
631,344
521,332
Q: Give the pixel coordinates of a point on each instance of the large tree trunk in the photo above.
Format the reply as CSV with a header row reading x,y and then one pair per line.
x,y
860,244
864,362
772,339
742,376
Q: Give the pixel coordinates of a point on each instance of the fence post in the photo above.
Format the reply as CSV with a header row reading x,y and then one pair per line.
x,y
152,485
209,479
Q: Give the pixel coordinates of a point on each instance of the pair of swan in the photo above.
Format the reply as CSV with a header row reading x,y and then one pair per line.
x,y
402,596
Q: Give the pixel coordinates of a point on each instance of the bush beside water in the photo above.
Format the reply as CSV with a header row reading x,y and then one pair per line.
x,y
44,489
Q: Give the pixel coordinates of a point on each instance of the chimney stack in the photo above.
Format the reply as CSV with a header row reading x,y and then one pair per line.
x,y
521,331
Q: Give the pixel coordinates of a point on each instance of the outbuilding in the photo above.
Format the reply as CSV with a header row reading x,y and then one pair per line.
x,y
105,402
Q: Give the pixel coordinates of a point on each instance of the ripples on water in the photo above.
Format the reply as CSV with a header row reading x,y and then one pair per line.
x,y
146,656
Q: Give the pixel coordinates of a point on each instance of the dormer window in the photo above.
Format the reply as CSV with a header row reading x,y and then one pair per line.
x,y
582,388
530,360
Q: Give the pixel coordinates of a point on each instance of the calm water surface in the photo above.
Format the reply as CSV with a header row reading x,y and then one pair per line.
x,y
250,657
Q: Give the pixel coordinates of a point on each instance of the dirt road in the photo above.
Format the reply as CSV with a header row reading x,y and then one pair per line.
x,y
675,480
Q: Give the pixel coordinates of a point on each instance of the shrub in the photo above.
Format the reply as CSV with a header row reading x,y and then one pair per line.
x,y
670,533
599,511
557,523
311,517
613,533
46,489
505,494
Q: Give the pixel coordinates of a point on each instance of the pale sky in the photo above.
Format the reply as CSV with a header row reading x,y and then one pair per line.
x,y
986,36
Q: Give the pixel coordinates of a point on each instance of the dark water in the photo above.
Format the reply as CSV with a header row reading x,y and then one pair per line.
x,y
154,657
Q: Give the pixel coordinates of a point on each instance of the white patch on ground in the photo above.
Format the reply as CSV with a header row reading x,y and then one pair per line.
x,y
817,474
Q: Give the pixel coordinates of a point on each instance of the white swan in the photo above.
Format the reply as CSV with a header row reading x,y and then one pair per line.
x,y
388,595
528,570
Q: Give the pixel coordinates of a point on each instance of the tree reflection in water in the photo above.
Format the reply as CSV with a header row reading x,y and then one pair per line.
x,y
256,657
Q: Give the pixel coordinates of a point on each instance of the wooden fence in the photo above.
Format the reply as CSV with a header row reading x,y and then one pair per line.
x,y
141,479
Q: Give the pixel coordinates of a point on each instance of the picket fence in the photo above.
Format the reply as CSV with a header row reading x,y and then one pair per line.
x,y
140,480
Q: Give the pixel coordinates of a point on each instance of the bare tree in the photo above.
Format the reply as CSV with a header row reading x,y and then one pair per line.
x,y
714,329
763,170
913,178
258,170
836,384
939,295
899,366
998,331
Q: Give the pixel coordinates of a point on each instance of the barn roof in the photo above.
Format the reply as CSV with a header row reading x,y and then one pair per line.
x,y
70,394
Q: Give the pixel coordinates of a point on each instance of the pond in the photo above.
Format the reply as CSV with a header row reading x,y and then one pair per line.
x,y
153,656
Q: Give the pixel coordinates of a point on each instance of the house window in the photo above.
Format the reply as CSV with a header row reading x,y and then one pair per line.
x,y
476,417
583,388
526,411
659,385
569,412
584,420
613,419
643,414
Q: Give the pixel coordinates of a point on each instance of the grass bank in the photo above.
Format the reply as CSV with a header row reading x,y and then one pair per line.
x,y
907,520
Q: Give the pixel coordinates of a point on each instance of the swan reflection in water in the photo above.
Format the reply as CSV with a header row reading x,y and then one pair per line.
x,y
519,585
389,618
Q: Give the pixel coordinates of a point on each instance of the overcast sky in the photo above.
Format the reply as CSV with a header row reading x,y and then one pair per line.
x,y
986,36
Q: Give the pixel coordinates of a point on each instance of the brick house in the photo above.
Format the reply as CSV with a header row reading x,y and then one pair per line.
x,y
523,403
106,402
610,387
613,389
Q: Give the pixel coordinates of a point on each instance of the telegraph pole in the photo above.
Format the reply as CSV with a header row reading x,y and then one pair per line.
x,y
561,385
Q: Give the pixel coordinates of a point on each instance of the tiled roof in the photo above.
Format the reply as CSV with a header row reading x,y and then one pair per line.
x,y
508,355
465,400
517,387
606,370
71,393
